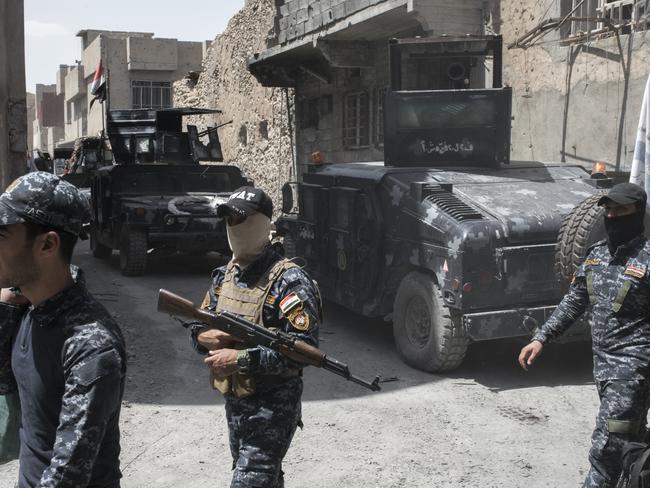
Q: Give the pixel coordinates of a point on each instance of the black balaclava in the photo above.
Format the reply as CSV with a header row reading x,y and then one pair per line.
x,y
621,230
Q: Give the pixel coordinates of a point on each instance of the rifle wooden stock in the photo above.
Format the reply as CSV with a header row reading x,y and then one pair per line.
x,y
177,306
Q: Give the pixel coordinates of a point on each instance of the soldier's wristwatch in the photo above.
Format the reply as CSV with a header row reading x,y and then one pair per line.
x,y
243,360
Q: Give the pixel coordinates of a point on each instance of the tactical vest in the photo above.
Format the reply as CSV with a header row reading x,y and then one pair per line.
x,y
247,303
620,295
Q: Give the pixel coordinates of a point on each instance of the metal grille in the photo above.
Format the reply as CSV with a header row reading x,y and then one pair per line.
x,y
449,203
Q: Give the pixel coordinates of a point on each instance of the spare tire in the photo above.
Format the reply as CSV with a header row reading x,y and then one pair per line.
x,y
580,229
190,204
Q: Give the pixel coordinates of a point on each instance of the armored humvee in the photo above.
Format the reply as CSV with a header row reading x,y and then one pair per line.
x,y
447,237
158,197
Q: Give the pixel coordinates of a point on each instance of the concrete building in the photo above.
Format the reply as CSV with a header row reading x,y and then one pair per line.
x,y
140,70
47,120
13,107
577,90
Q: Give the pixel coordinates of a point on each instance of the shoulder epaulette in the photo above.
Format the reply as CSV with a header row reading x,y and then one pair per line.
x,y
595,245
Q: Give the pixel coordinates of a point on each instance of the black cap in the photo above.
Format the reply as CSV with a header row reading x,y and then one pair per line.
x,y
246,201
625,194
45,199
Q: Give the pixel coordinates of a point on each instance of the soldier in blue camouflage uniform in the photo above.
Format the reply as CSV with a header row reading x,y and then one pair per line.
x,y
614,282
59,347
262,388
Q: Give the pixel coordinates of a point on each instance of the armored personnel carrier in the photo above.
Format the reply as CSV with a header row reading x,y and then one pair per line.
x,y
447,237
158,197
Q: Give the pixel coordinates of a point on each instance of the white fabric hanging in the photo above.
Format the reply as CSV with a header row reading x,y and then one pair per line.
x,y
640,172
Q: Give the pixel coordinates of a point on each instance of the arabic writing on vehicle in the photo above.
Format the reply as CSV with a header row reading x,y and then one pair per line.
x,y
442,147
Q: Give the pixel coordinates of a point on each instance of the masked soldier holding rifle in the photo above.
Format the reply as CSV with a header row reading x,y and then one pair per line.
x,y
262,387
614,281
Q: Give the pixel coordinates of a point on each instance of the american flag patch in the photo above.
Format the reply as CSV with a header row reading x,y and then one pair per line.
x,y
636,271
289,302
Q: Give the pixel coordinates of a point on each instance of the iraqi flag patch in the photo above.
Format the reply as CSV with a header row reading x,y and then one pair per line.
x,y
289,302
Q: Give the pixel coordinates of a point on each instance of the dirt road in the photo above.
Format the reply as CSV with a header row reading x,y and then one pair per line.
x,y
488,424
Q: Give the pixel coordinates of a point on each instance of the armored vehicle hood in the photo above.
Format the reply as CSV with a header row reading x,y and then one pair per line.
x,y
528,199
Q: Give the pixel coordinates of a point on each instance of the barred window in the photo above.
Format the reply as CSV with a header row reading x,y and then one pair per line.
x,y
584,10
593,18
151,94
356,120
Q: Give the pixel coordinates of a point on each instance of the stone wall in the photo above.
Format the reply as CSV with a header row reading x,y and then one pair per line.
x,y
258,139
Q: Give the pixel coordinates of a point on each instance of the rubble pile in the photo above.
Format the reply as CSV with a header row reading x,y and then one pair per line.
x,y
258,139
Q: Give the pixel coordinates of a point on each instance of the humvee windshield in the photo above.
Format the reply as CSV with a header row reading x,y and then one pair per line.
x,y
448,127
163,182
431,113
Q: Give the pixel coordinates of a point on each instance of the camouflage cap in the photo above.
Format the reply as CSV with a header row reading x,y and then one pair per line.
x,y
625,194
45,199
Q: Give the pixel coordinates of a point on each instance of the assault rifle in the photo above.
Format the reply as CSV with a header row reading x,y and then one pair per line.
x,y
256,335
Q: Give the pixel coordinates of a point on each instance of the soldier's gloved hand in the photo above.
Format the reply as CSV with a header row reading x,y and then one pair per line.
x,y
530,353
8,296
215,339
222,362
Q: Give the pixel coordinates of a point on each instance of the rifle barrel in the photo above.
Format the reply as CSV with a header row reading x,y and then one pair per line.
x,y
341,369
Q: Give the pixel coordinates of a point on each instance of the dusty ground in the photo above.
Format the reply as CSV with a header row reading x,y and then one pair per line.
x,y
488,424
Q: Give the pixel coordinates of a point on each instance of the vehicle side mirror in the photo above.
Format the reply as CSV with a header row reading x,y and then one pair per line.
x,y
287,197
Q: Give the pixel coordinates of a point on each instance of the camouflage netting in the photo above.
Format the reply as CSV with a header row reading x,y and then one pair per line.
x,y
258,139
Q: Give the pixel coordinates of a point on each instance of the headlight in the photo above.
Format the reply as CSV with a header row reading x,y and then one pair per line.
x,y
216,201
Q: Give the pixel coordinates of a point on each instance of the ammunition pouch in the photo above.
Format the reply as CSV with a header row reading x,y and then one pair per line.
x,y
242,385
239,385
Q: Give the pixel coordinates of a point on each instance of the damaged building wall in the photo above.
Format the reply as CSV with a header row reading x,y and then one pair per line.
x,y
259,139
574,100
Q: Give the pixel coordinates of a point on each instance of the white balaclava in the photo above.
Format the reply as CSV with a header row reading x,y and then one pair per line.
x,y
248,239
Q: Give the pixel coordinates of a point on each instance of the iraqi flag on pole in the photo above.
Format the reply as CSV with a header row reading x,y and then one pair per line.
x,y
98,86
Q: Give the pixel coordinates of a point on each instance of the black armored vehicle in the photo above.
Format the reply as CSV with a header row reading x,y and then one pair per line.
x,y
158,196
447,237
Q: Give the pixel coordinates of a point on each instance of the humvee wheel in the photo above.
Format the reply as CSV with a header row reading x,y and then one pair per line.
x,y
133,252
427,335
580,229
99,251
